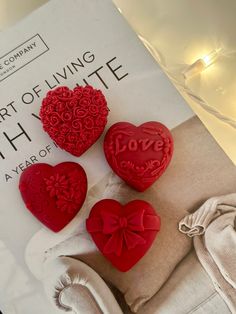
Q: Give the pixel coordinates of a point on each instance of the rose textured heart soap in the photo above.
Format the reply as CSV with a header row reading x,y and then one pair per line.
x,y
54,195
74,119
123,234
139,155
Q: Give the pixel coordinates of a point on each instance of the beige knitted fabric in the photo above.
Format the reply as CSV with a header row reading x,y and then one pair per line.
x,y
213,227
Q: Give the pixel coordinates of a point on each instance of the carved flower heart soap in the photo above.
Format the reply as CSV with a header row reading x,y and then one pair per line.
x,y
139,155
123,233
54,195
74,119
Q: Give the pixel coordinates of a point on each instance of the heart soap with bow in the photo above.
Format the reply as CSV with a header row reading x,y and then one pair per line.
x,y
139,155
123,234
54,195
74,119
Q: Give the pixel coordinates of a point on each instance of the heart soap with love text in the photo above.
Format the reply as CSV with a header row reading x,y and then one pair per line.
x,y
123,234
54,195
74,119
139,155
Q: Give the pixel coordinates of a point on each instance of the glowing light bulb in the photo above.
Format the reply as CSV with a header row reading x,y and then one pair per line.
x,y
201,64
207,60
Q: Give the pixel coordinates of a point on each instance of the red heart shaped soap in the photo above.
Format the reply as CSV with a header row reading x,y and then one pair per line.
x,y
139,155
74,119
54,195
123,234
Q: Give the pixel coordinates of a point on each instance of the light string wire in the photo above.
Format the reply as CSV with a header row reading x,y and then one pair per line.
x,y
183,88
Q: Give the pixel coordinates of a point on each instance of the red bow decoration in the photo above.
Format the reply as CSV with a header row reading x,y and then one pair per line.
x,y
122,230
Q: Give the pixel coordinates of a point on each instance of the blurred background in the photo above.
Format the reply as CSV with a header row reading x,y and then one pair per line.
x,y
13,10
179,34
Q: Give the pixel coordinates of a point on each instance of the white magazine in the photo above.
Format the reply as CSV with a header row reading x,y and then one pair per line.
x,y
65,42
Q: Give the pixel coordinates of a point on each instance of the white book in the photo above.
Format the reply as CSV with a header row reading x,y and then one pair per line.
x,y
65,42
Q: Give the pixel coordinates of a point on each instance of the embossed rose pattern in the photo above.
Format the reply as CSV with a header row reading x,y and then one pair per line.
x,y
74,119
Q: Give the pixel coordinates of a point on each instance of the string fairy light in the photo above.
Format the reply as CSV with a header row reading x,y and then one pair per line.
x,y
196,68
202,64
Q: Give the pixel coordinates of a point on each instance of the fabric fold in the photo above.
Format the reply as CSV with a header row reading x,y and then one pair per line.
x,y
213,227
196,223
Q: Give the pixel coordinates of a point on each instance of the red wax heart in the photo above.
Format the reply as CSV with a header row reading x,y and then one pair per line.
x,y
139,155
74,119
123,234
54,195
